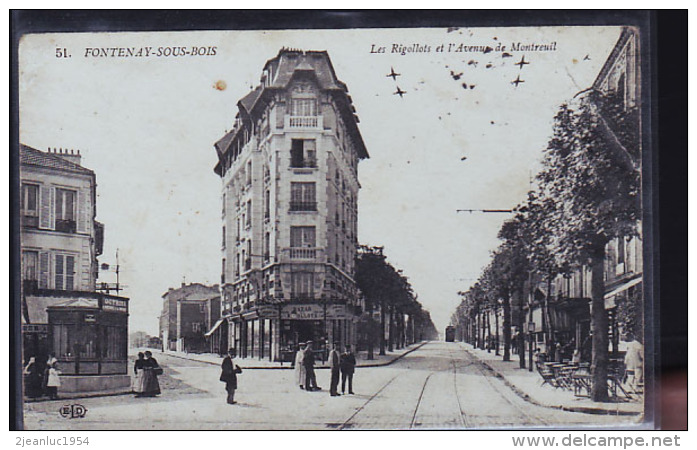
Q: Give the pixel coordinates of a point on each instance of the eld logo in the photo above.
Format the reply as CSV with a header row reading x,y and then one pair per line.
x,y
74,411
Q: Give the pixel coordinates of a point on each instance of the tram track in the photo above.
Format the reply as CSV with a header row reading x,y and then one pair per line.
x,y
485,371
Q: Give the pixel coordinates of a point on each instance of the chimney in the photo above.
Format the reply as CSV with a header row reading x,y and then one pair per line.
x,y
71,155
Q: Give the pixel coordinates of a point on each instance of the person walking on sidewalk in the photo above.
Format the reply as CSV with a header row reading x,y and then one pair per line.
x,y
334,367
348,366
138,374
299,367
229,375
151,369
54,380
309,364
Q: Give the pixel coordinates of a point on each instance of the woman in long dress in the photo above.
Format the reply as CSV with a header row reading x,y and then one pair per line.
x,y
299,367
138,374
32,379
151,387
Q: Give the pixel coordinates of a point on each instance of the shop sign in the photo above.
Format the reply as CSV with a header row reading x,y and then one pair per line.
x,y
336,312
34,328
90,318
302,312
113,304
268,312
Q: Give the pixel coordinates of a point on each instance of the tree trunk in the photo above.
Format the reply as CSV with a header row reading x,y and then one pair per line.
x,y
371,335
488,332
507,328
382,328
391,330
521,329
549,332
599,326
496,318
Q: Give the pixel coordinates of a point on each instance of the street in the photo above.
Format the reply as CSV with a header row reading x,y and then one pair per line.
x,y
439,386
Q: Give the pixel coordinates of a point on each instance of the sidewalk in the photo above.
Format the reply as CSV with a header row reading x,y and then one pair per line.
x,y
527,385
255,363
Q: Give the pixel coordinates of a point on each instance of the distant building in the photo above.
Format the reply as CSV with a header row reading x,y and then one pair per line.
x,y
289,172
187,314
62,315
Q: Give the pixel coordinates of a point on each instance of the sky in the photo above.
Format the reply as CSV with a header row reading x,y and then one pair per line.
x,y
462,137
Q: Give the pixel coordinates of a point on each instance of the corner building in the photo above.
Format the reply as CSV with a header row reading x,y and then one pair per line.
x,y
289,171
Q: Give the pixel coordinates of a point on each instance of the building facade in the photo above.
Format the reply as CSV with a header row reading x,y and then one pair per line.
x,y
62,314
187,314
289,171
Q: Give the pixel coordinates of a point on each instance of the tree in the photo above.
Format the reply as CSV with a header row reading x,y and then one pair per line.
x,y
385,287
591,177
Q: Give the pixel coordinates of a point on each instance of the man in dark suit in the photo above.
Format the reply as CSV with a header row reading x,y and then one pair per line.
x,y
229,376
334,367
309,363
348,366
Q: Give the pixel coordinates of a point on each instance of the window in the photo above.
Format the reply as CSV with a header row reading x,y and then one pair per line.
x,y
65,272
88,344
30,205
303,153
64,340
302,237
302,197
65,210
249,173
303,107
302,284
30,266
267,204
249,214
114,343
222,274
267,246
223,236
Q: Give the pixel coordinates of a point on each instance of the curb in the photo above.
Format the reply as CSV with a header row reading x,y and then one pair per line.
x,y
376,364
527,398
79,396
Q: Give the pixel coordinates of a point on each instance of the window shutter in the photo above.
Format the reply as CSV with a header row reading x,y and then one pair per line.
x,y
52,209
69,273
59,270
83,215
45,208
43,270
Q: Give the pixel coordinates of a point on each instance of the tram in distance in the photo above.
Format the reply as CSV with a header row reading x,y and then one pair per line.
x,y
450,334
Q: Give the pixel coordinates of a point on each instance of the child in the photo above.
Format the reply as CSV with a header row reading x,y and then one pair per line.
x,y
54,381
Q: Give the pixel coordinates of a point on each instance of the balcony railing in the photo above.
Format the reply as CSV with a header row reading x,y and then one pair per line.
x,y
303,122
303,206
302,254
65,226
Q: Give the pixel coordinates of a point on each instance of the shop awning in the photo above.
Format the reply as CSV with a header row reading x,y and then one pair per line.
x,y
623,287
215,327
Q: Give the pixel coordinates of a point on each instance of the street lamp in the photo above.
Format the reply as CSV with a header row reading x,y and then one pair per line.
x,y
531,333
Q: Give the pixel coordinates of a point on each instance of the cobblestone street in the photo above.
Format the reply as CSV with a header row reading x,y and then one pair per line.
x,y
441,385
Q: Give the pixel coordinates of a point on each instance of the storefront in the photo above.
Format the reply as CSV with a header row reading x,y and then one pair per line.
x,y
275,332
89,338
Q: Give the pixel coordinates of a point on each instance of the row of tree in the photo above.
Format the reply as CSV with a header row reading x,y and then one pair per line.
x,y
387,291
588,193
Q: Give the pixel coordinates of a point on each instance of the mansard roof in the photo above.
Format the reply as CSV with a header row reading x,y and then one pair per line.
x,y
32,157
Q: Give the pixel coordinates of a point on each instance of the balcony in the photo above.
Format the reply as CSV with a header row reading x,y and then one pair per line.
x,y
303,122
292,254
303,206
65,226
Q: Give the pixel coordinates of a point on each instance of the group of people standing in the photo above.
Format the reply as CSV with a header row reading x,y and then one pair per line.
x,y
343,364
42,379
146,369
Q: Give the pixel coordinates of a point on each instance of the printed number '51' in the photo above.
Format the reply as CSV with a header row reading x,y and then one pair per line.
x,y
62,53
